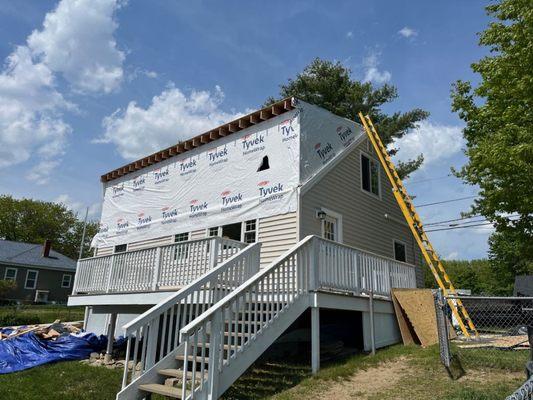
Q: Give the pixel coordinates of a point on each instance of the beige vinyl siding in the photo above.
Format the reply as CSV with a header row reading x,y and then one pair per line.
x,y
277,234
200,234
143,244
104,251
363,214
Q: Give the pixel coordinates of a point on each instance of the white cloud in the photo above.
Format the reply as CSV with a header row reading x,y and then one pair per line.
x,y
349,34
372,72
78,207
407,32
172,116
77,41
40,173
454,255
30,107
437,142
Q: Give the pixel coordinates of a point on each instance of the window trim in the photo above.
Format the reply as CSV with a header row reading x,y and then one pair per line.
x,y
14,279
69,281
219,231
338,217
35,280
404,244
371,158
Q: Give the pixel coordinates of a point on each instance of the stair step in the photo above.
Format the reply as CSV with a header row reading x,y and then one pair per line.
x,y
191,358
226,346
162,390
178,373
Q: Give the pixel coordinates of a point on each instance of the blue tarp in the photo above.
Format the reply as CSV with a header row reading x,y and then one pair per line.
x,y
29,350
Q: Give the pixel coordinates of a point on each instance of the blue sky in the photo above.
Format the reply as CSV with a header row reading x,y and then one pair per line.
x,y
86,86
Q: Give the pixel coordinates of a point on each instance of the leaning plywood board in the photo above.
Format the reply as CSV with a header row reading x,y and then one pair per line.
x,y
418,313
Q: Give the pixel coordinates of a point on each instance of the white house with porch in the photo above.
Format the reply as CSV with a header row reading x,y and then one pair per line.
x,y
210,249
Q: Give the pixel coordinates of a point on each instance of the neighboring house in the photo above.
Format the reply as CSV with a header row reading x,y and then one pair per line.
x,y
41,274
523,286
247,195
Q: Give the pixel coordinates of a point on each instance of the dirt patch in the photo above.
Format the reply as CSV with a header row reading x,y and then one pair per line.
x,y
370,381
490,376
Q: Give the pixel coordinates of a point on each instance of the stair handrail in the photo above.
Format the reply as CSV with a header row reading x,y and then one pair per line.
x,y
196,330
186,291
244,286
207,289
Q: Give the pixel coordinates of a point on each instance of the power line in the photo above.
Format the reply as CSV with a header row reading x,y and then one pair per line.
x,y
459,227
428,180
466,222
450,220
445,201
487,223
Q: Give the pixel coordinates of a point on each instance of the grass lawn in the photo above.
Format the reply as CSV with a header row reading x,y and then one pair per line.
x,y
38,314
397,372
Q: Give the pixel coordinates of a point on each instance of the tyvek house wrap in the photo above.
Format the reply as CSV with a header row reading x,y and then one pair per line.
x,y
220,183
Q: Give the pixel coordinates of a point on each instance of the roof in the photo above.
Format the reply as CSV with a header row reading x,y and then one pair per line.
x,y
31,255
523,285
227,129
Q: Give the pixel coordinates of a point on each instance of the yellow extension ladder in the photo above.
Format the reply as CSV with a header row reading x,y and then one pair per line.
x,y
414,222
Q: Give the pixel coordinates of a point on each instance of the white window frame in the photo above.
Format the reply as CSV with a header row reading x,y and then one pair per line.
x,y
338,217
69,281
11,279
371,158
404,244
182,233
219,231
243,229
35,280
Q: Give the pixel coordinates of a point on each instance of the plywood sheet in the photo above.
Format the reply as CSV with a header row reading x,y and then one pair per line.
x,y
418,311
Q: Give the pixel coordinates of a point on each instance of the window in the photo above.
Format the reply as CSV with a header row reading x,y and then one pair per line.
x,y
369,175
213,231
11,274
330,228
399,251
65,282
181,237
250,231
181,252
331,224
121,248
31,279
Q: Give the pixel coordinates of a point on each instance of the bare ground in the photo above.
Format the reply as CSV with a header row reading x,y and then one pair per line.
x,y
393,378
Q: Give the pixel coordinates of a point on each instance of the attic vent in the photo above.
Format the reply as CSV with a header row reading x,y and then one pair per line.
x,y
264,164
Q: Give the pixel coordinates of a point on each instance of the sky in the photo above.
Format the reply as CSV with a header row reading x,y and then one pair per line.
x,y
88,85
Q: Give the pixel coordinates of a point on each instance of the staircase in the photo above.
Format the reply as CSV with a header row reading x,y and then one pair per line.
x,y
225,322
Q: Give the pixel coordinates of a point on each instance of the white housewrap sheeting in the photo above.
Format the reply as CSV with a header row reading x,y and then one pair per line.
x,y
220,182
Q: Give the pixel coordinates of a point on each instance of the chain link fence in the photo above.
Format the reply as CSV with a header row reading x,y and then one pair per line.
x,y
504,335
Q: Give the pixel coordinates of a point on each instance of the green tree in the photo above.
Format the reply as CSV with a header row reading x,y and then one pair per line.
x,y
476,275
499,136
5,287
330,85
33,221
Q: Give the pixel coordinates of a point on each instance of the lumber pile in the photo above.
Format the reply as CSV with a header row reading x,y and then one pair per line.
x,y
45,331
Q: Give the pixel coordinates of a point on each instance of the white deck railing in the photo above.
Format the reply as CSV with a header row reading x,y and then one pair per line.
x,y
347,269
156,268
145,346
242,325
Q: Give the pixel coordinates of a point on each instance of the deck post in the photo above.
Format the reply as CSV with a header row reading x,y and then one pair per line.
x,y
372,331
315,339
110,337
